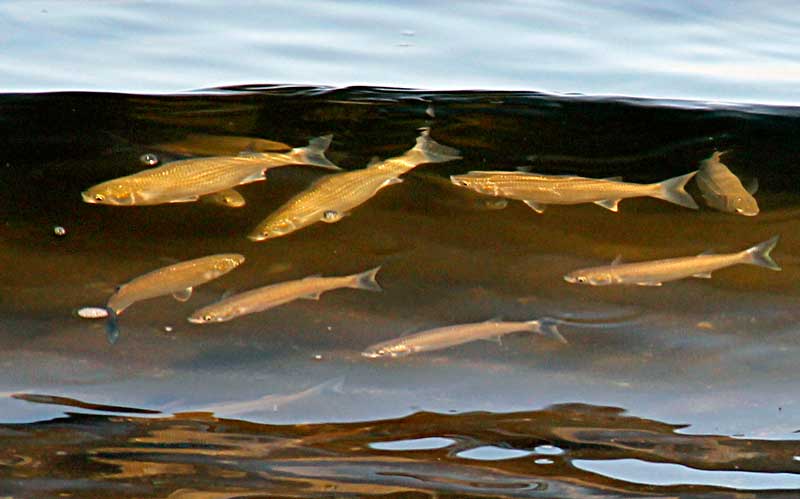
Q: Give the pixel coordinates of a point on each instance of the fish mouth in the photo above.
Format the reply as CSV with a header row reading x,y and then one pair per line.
x,y
88,198
570,279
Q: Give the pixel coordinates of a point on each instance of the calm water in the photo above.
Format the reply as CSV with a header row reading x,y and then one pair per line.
x,y
689,389
684,390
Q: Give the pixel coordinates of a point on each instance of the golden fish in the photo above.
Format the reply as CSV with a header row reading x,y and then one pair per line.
x,y
655,272
266,297
178,280
444,337
331,198
538,190
723,190
186,180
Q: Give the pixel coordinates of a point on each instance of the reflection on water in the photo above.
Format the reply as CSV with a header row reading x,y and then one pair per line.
x,y
718,355
484,454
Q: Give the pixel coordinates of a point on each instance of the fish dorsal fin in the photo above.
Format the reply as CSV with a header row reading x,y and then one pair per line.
x,y
702,275
183,295
537,207
707,252
617,260
312,296
373,161
752,186
609,204
617,178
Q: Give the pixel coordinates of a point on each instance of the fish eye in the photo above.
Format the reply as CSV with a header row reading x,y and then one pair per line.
x,y
208,317
581,279
99,197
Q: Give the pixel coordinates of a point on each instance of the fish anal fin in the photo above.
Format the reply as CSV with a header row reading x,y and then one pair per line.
x,y
391,181
702,275
259,174
312,296
183,295
609,204
537,207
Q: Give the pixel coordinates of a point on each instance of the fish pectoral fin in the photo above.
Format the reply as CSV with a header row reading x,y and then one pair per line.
x,y
702,275
648,283
183,295
752,186
391,181
617,260
312,296
609,204
537,207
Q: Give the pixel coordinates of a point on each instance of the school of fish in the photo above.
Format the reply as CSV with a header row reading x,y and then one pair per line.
x,y
213,179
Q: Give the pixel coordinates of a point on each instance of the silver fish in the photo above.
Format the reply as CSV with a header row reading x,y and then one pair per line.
x,y
266,297
331,198
723,190
230,198
655,272
186,180
444,337
538,190
178,280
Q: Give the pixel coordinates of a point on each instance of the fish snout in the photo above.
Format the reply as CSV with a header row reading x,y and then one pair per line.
x,y
570,279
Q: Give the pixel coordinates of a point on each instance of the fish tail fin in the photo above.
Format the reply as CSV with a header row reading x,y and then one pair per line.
x,y
760,254
112,328
547,327
366,280
672,190
427,150
314,153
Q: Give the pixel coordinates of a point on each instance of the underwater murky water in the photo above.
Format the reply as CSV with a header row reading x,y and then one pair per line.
x,y
686,389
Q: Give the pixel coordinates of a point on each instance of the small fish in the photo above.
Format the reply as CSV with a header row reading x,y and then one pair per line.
x,y
333,197
655,272
200,144
444,337
178,280
230,198
723,190
266,297
186,180
274,402
538,190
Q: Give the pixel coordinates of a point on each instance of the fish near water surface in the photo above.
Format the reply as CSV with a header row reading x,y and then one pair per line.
x,y
722,190
538,190
445,337
186,180
656,272
201,144
334,196
178,280
273,295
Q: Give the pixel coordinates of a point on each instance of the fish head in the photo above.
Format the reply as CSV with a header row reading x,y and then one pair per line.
x,y
477,183
745,205
111,193
276,226
590,277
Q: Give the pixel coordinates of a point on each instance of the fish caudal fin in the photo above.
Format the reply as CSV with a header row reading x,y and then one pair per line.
x,y
759,254
112,328
314,153
366,280
672,190
428,150
547,327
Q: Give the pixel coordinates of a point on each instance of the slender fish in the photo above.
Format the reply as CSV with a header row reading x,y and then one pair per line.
x,y
266,297
331,198
178,280
655,272
538,190
444,337
723,190
186,180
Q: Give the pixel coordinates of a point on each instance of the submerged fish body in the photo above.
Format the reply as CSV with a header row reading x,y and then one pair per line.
x,y
230,198
654,273
200,144
538,190
273,295
333,197
178,279
445,337
722,190
186,180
